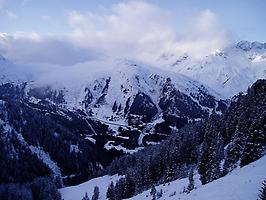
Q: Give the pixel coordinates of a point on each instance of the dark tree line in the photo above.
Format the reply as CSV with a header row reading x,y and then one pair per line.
x,y
38,189
15,159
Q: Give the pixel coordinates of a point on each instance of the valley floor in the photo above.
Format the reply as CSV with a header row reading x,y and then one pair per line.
x,y
241,184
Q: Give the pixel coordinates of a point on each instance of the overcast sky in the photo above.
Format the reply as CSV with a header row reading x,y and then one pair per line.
x,y
81,30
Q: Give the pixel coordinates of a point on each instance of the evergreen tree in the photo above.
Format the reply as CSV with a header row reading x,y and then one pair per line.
x,y
130,187
119,108
96,193
209,167
114,108
159,194
153,192
119,189
44,189
262,195
256,141
171,158
234,149
111,191
86,197
191,184
170,173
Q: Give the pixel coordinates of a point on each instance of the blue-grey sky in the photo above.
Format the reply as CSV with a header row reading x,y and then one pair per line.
x,y
73,31
244,18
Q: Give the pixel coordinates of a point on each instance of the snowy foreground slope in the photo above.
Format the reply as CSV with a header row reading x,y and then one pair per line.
x,y
241,184
77,192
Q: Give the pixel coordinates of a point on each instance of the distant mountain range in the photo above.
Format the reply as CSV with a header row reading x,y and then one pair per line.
x,y
227,71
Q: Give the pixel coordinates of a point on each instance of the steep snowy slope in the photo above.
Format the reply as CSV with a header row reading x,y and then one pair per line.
x,y
110,93
227,71
243,183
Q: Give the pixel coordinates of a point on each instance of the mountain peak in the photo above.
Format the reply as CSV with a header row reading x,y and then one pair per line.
x,y
247,45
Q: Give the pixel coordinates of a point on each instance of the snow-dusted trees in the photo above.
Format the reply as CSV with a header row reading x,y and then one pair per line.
x,y
86,197
114,108
110,194
119,189
159,194
153,192
44,189
235,148
130,187
96,193
39,189
262,195
212,151
255,142
191,183
15,192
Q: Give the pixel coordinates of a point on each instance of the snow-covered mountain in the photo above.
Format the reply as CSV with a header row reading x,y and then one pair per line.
x,y
227,71
125,93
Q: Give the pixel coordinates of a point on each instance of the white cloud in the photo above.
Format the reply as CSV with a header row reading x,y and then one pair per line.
x,y
25,47
133,30
46,17
30,36
143,31
204,35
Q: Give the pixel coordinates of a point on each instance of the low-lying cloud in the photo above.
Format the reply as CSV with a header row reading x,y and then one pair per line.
x,y
34,48
133,30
